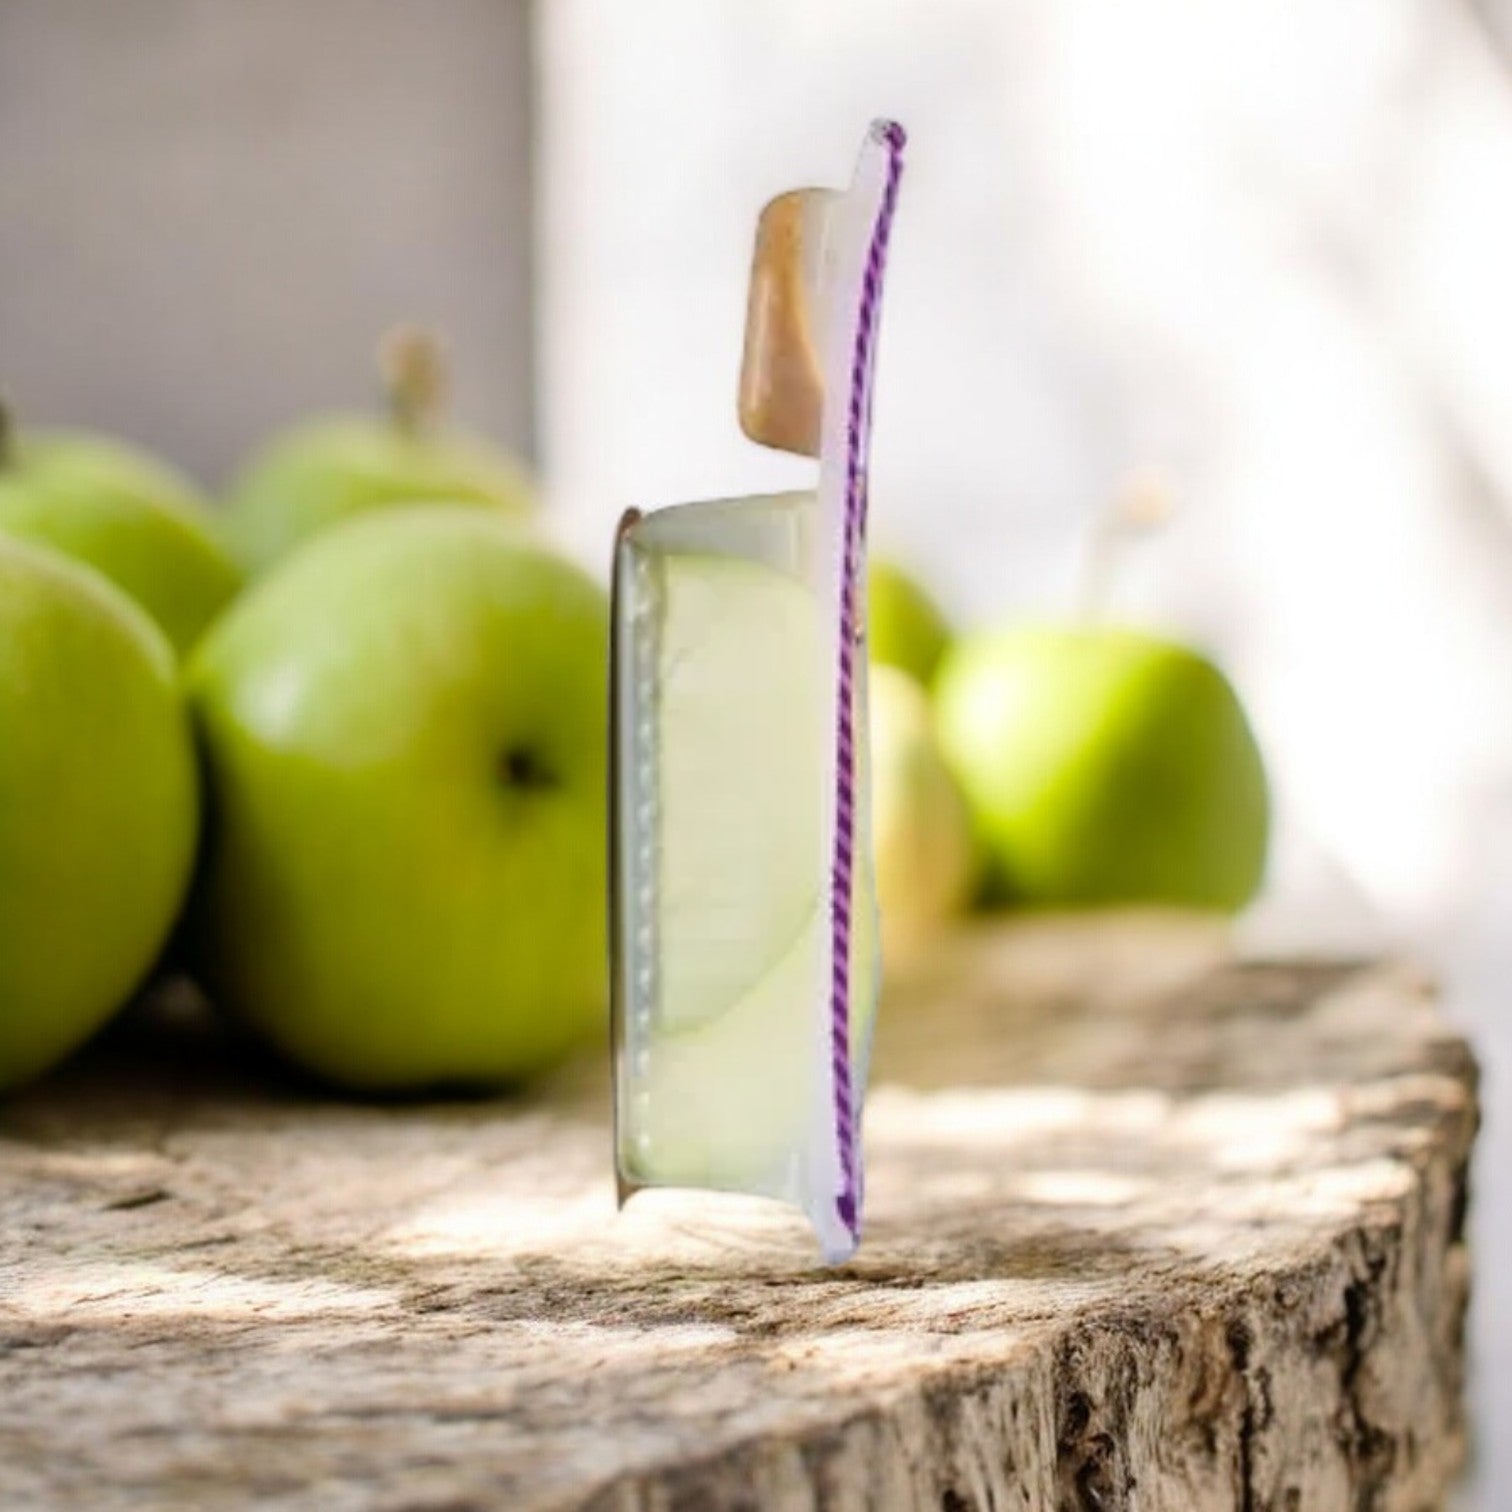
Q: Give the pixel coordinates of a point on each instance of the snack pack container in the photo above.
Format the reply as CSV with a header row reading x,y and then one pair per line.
x,y
745,966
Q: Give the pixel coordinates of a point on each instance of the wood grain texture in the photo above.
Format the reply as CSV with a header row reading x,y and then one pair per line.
x,y
1146,1229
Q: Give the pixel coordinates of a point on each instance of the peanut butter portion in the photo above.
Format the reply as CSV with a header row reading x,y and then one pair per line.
x,y
781,380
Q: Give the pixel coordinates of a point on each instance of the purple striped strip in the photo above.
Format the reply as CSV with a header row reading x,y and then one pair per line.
x,y
858,435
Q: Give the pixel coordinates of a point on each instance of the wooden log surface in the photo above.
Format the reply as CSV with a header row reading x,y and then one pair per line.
x,y
1147,1228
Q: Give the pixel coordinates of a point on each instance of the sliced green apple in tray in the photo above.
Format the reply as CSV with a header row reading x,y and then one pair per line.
x,y
724,852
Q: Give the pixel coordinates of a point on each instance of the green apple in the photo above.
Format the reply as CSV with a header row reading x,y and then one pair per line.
x,y
98,803
905,627
921,831
404,730
331,468
1103,766
126,515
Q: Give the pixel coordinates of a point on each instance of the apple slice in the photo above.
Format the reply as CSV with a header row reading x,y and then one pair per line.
x,y
739,779
720,1104
733,861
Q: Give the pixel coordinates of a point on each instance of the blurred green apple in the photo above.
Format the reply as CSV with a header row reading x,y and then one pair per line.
x,y
1105,766
921,832
905,627
98,803
405,734
126,515
329,469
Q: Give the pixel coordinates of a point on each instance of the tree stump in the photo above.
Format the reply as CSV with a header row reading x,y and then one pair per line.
x,y
1147,1228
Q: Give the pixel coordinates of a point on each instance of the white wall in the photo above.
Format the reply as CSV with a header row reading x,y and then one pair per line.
x,y
1260,246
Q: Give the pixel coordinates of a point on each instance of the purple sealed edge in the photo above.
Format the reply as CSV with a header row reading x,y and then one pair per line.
x,y
891,136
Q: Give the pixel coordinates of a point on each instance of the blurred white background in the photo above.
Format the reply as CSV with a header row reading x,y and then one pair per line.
x,y
1261,248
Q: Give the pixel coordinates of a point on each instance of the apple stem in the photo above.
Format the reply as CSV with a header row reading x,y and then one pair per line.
x,y
1143,504
412,362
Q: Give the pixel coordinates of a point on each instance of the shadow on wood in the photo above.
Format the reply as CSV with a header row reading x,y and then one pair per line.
x,y
1138,1216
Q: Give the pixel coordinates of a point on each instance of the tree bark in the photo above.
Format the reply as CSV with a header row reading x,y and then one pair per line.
x,y
1146,1228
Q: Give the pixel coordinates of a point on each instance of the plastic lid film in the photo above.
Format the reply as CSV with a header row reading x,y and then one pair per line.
x,y
746,969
